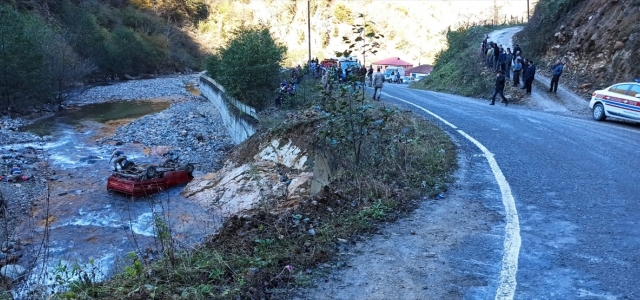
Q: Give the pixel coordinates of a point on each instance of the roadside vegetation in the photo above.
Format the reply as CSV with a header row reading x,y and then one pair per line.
x,y
382,161
459,69
249,66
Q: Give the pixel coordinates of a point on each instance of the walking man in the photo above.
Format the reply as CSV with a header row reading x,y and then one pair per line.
x,y
529,75
500,81
557,71
378,82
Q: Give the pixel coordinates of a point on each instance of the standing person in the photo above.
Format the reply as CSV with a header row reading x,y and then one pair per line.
x,y
370,75
496,55
517,69
120,158
500,81
378,82
525,65
326,82
489,56
502,60
507,73
557,71
517,50
483,46
529,75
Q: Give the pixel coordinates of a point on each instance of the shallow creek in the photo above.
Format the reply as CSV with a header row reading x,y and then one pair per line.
x,y
84,224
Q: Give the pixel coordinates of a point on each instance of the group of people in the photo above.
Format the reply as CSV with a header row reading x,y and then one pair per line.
x,y
289,87
503,62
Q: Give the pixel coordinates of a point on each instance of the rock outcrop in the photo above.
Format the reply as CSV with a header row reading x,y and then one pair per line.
x,y
277,176
599,40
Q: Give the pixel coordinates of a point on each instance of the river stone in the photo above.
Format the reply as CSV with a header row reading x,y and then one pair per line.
x,y
8,245
13,272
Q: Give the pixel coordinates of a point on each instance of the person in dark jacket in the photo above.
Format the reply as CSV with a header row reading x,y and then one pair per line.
x,y
517,50
508,61
500,81
496,54
557,71
529,75
502,60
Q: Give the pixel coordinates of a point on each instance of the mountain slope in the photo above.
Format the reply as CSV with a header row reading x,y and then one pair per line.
x,y
598,39
413,30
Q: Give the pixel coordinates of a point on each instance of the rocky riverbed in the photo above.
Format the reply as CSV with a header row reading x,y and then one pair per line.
x,y
190,130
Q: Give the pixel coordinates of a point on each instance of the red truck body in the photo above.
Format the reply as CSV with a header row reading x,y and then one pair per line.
x,y
144,187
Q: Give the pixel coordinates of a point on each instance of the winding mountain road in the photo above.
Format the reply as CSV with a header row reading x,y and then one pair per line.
x,y
546,205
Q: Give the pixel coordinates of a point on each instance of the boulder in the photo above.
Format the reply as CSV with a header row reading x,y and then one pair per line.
x,y
585,85
618,45
13,272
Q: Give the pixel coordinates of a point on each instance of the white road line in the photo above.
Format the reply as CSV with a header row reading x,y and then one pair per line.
x,y
512,241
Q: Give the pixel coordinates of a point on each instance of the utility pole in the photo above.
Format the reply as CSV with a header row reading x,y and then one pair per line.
x,y
528,11
309,26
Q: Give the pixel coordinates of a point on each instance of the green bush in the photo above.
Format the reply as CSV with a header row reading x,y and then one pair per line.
x,y
457,68
249,66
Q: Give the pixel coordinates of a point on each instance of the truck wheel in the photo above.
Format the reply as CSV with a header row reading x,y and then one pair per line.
x,y
150,172
189,168
168,163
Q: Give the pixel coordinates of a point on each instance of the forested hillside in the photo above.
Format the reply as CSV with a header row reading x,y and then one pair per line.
x,y
48,47
413,30
599,40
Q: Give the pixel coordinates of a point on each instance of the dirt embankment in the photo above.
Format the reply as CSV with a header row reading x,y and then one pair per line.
x,y
599,40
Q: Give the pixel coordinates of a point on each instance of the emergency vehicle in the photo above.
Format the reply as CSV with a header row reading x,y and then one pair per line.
x,y
620,100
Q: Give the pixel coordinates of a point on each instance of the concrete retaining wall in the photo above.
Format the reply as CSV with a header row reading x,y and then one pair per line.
x,y
240,119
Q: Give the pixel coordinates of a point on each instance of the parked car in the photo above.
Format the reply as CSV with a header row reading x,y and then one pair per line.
x,y
620,100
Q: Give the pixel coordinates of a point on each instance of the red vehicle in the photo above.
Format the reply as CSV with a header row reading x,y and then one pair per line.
x,y
329,62
140,181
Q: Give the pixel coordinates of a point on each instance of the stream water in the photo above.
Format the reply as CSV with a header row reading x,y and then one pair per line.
x,y
85,225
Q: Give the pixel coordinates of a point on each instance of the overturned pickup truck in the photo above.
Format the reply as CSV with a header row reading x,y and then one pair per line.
x,y
139,181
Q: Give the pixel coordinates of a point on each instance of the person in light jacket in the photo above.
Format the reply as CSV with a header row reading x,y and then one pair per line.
x,y
378,82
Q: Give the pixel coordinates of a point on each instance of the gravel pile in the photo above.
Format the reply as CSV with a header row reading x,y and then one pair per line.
x,y
135,90
8,137
192,129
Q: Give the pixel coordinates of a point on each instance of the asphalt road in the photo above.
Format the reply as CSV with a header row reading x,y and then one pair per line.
x,y
575,185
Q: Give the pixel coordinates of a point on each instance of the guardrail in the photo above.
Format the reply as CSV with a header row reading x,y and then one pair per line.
x,y
237,104
241,120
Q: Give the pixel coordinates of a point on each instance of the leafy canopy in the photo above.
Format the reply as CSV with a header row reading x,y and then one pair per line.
x,y
249,66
